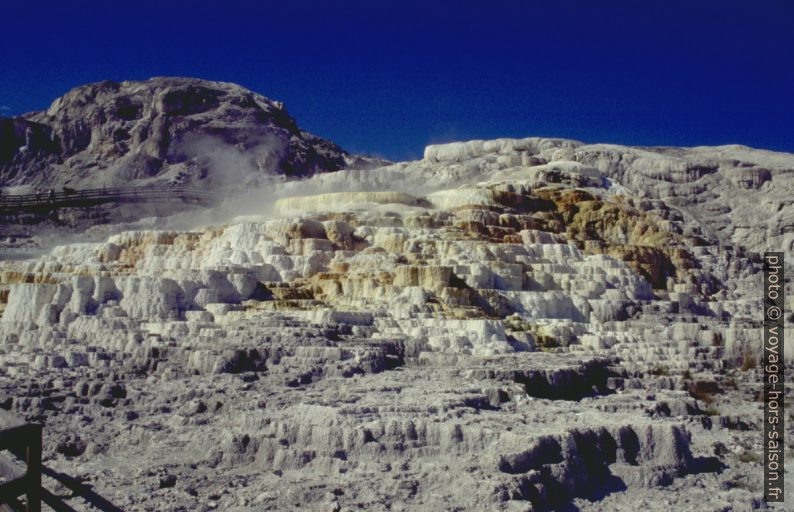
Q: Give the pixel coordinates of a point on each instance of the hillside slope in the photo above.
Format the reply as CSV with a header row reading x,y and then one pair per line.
x,y
164,130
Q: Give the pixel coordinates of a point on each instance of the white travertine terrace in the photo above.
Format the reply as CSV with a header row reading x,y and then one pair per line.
x,y
514,317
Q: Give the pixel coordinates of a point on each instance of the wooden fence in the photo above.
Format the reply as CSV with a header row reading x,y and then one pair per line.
x,y
70,198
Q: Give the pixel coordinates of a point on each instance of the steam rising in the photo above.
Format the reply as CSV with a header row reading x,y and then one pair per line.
x,y
228,167
248,181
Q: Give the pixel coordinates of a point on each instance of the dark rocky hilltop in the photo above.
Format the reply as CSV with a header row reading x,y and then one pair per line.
x,y
161,130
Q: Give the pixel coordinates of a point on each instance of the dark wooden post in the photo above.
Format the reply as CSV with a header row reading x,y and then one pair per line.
x,y
34,468
24,441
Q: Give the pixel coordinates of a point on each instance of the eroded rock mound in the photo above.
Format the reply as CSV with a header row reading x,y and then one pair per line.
x,y
168,130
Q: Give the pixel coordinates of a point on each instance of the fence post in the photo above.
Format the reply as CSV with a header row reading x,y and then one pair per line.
x,y
34,468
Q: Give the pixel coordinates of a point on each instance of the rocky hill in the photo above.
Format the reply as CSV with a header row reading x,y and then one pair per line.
x,y
515,324
164,130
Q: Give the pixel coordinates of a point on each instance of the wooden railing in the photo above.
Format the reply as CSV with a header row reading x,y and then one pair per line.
x,y
66,198
23,440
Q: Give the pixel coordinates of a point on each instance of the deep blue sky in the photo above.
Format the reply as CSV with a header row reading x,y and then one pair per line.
x,y
389,77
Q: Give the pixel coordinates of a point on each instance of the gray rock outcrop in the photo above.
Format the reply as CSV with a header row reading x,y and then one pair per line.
x,y
164,130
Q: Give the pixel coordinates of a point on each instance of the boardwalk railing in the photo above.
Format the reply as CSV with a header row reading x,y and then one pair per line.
x,y
23,440
66,198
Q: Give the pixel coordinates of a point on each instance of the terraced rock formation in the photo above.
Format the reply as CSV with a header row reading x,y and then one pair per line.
x,y
214,138
504,325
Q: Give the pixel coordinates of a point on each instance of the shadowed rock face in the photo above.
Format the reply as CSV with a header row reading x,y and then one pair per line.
x,y
180,130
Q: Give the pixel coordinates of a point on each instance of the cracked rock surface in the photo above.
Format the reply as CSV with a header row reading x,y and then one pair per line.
x,y
524,324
